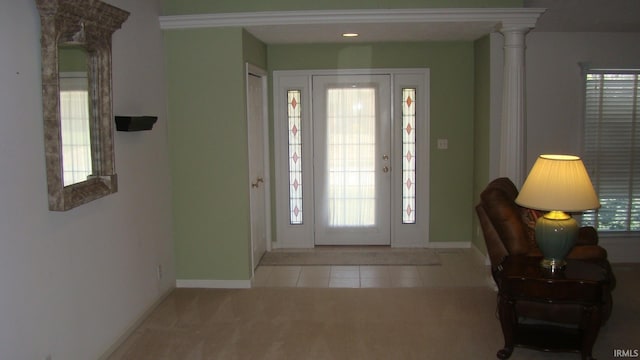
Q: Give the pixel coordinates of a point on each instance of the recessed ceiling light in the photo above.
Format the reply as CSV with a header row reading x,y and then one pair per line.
x,y
350,35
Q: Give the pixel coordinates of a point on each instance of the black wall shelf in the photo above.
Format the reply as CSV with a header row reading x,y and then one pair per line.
x,y
135,123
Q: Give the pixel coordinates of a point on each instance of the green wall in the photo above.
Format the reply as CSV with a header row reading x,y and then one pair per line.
x,y
208,135
482,90
451,67
176,7
207,127
208,145
254,51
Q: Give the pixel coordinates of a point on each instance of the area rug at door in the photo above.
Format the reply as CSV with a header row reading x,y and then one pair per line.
x,y
351,256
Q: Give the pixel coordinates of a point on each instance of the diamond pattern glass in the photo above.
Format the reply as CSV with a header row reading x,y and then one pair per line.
x,y
409,156
295,157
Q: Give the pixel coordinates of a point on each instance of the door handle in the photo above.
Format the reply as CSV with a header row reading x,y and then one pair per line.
x,y
257,183
386,169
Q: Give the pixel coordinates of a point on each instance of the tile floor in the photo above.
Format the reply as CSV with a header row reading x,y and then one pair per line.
x,y
459,267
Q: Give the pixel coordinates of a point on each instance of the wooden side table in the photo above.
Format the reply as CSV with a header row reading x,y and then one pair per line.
x,y
580,284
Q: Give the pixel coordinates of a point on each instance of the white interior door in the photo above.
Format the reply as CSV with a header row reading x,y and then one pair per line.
x,y
352,160
257,166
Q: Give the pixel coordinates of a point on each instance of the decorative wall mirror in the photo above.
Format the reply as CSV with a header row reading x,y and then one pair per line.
x,y
77,101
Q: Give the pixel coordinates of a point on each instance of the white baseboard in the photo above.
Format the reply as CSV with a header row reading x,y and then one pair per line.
x,y
449,245
481,255
214,284
134,325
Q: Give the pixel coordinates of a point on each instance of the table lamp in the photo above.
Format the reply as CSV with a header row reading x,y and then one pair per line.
x,y
557,184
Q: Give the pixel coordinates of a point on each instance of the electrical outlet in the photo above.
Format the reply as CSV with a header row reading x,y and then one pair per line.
x,y
159,271
443,144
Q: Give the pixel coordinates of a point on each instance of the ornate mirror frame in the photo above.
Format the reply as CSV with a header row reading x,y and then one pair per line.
x,y
89,24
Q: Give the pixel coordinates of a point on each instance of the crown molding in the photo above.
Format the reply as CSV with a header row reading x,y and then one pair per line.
x,y
507,17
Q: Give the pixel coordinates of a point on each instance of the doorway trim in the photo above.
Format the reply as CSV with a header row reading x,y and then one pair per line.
x,y
301,234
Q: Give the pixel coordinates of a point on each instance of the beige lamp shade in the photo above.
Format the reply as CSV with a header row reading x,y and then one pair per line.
x,y
558,182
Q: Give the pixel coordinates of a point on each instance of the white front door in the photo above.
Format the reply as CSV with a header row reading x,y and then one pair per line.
x,y
257,168
352,159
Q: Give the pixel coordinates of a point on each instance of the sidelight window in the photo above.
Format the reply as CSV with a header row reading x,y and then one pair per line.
x,y
295,156
408,156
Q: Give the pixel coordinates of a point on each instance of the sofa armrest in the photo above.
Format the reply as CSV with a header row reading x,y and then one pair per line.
x,y
587,252
587,235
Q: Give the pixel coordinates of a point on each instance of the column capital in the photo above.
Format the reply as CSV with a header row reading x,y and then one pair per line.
x,y
521,23
514,38
515,30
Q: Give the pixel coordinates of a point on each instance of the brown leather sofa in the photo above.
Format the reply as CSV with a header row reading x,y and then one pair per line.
x,y
508,230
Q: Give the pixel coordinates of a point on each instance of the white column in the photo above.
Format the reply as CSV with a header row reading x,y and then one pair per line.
x,y
513,136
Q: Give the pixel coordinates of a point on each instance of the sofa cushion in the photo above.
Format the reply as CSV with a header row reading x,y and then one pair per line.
x,y
529,218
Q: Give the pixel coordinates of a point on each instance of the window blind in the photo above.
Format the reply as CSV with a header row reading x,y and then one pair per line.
x,y
611,150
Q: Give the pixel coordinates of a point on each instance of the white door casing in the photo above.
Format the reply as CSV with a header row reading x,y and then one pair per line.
x,y
302,234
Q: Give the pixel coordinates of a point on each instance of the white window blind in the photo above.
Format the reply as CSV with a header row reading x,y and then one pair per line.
x,y
612,148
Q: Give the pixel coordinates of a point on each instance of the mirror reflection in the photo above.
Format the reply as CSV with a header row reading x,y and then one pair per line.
x,y
75,113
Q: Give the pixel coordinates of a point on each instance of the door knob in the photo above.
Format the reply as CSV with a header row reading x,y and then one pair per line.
x,y
386,169
385,157
257,183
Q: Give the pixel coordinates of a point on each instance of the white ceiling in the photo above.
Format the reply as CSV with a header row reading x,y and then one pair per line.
x,y
561,15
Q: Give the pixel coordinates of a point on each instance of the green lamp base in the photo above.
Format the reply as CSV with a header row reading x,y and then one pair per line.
x,y
556,233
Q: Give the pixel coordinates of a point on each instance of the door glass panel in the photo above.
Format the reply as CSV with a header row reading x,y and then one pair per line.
x,y
351,148
352,159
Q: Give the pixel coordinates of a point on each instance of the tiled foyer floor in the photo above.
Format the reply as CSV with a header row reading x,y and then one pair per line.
x,y
459,267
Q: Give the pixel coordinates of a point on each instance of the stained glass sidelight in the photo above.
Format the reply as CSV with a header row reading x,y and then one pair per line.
x,y
295,157
409,156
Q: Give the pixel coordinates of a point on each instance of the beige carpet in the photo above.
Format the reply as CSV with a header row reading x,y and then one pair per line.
x,y
318,324
457,323
350,256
